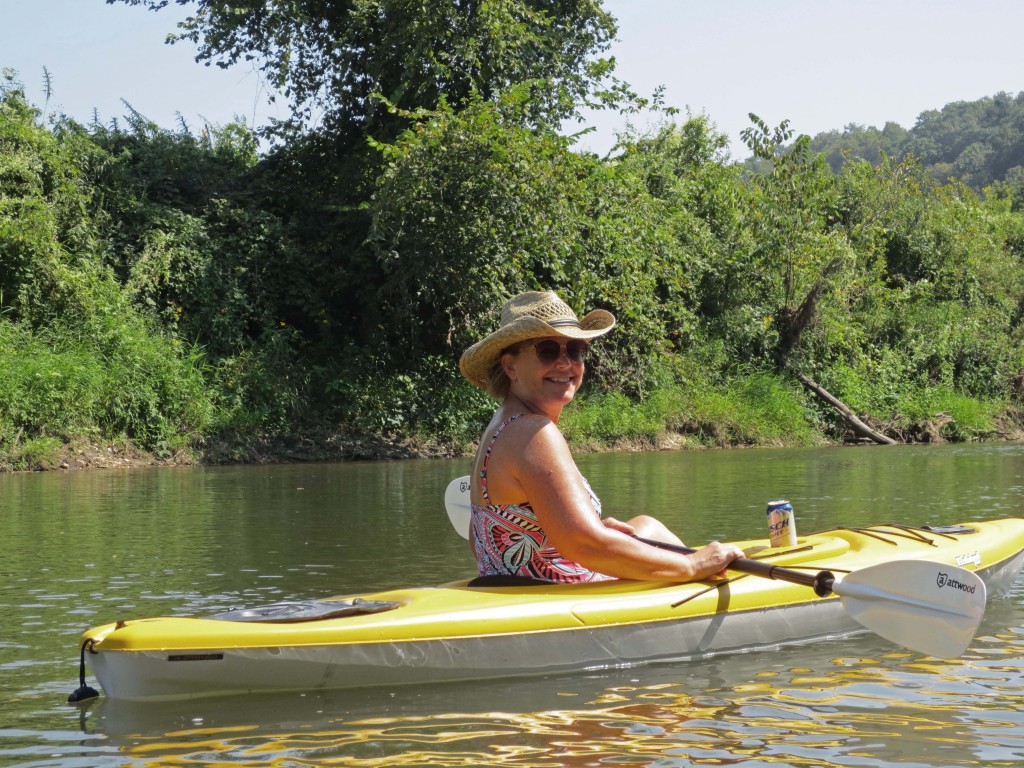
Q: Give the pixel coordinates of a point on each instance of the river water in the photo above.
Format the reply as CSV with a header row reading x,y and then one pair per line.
x,y
80,549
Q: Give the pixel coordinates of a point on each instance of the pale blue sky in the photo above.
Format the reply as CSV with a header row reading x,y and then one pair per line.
x,y
820,63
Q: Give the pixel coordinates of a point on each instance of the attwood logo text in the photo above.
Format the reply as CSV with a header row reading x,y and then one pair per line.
x,y
944,581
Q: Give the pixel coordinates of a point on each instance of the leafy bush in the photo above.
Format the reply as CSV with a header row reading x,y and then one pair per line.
x,y
79,357
969,417
431,400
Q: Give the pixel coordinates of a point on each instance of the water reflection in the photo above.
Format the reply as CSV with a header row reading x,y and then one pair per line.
x,y
845,710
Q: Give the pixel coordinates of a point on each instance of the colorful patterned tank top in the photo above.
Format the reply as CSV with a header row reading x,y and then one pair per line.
x,y
508,540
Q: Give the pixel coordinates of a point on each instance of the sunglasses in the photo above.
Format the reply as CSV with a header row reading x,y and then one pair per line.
x,y
549,350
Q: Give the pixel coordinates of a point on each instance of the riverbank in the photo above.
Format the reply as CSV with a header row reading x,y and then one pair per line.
x,y
343,445
122,454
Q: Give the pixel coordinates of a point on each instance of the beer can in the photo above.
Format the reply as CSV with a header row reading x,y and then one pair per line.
x,y
781,524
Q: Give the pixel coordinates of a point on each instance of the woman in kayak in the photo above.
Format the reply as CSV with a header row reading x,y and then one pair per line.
x,y
533,513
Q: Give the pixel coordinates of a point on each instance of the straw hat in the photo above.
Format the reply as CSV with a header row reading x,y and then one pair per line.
x,y
530,315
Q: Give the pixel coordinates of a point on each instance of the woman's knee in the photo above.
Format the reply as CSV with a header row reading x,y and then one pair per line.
x,y
651,528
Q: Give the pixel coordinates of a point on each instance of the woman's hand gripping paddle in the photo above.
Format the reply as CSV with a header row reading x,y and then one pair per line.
x,y
928,607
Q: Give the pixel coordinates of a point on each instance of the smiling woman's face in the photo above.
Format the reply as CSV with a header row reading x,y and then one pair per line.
x,y
542,383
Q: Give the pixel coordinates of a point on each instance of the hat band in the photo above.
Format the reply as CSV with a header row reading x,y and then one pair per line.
x,y
559,323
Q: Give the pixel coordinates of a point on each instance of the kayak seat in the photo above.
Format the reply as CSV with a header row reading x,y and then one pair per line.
x,y
508,581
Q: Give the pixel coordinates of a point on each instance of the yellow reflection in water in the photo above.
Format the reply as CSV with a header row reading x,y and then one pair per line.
x,y
896,709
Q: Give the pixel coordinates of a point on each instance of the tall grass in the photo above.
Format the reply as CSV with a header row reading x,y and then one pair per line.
x,y
115,381
910,403
760,409
971,418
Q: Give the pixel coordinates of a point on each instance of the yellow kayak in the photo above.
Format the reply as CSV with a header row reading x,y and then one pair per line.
x,y
471,630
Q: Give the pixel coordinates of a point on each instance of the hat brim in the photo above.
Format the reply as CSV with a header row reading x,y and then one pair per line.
x,y
479,360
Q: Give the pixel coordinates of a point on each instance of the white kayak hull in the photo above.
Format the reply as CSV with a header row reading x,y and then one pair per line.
x,y
480,633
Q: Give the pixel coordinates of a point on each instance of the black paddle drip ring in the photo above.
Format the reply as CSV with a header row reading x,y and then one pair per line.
x,y
84,692
823,583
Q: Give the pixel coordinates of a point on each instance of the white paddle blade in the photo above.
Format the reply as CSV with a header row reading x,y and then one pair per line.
x,y
456,502
928,607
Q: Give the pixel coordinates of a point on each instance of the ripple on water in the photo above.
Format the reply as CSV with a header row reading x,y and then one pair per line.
x,y
856,709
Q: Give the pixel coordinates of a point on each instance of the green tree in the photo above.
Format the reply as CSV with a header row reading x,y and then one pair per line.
x,y
704,205
976,142
331,59
800,247
470,210
78,356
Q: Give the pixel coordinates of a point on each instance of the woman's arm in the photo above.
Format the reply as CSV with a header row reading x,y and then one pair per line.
x,y
538,460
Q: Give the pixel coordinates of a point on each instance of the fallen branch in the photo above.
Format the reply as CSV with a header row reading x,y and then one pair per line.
x,y
858,426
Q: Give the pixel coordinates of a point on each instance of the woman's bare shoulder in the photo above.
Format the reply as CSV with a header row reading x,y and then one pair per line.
x,y
530,447
533,428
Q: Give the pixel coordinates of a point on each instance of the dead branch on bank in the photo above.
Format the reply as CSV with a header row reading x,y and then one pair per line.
x,y
855,423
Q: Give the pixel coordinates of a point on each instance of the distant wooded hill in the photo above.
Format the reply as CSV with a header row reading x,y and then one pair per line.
x,y
978,142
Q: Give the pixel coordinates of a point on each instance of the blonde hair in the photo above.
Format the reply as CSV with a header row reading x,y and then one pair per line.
x,y
498,383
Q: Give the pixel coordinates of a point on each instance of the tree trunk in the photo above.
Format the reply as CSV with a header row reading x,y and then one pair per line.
x,y
791,324
858,426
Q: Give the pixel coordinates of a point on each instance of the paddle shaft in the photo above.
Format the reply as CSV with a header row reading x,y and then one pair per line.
x,y
821,582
